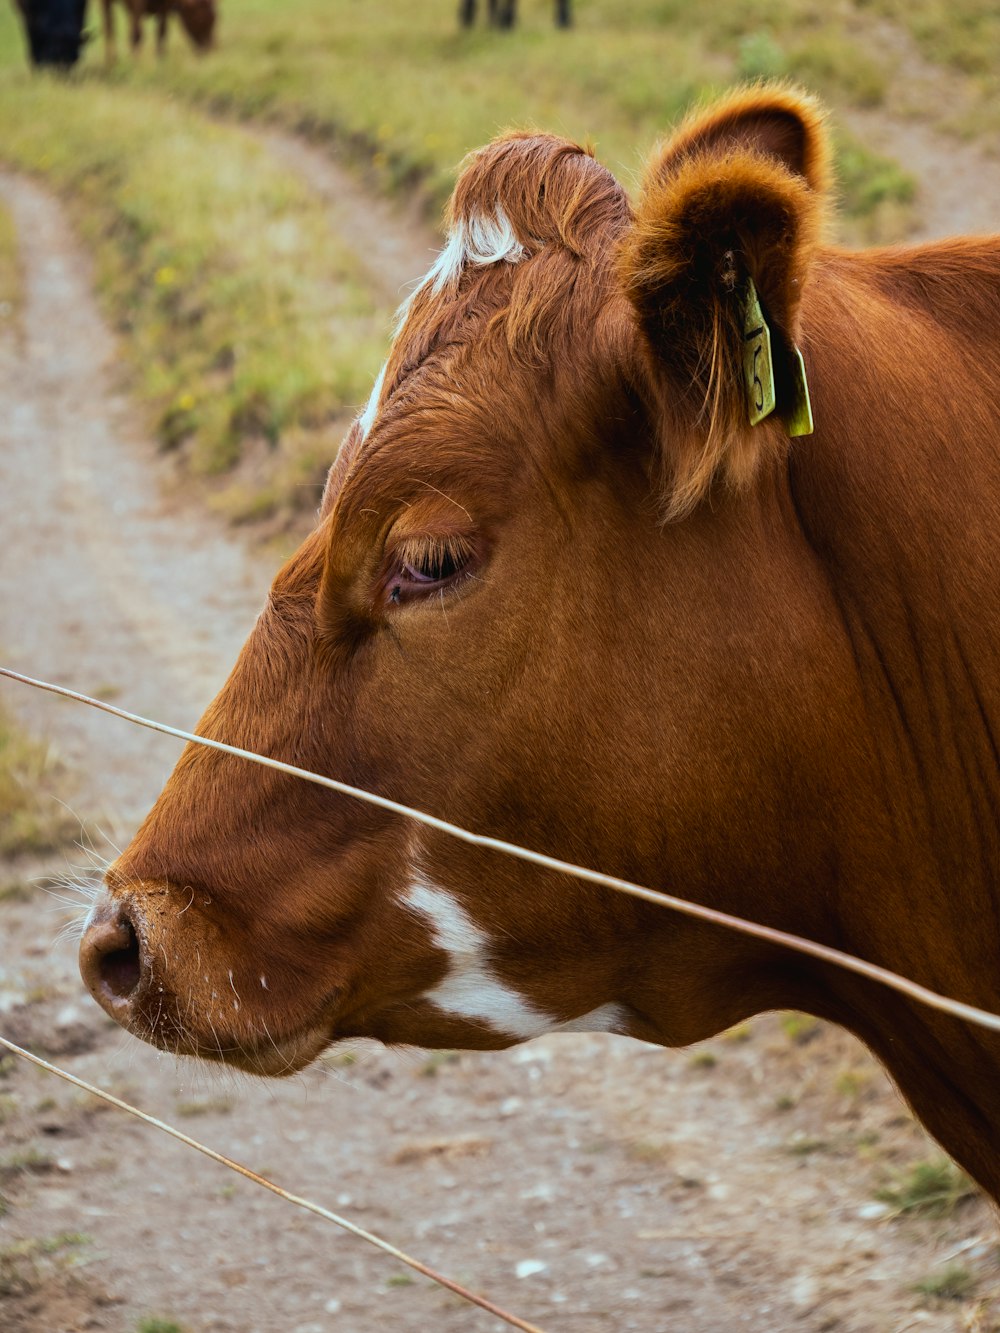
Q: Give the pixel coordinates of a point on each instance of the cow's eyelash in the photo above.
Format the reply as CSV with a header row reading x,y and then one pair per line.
x,y
434,558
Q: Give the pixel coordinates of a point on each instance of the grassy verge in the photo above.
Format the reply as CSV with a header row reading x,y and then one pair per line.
x,y
246,325
411,94
965,34
30,820
10,272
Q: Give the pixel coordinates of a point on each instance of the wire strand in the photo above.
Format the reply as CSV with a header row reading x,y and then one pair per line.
x,y
296,1199
824,952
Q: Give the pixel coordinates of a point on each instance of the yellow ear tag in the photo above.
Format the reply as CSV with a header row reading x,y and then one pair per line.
x,y
799,420
758,370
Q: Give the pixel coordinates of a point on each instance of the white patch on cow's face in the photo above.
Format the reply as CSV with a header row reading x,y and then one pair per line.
x,y
473,991
472,240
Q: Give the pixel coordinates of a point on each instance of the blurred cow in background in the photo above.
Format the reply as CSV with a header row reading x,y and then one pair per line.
x,y
55,30
503,13
197,18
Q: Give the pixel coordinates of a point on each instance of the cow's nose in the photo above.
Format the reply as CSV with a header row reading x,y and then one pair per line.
x,y
111,958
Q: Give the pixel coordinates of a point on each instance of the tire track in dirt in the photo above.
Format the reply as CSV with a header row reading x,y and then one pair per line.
x,y
392,239
106,584
958,182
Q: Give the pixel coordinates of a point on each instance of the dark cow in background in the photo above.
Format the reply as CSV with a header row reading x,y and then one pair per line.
x,y
197,18
503,13
572,585
55,30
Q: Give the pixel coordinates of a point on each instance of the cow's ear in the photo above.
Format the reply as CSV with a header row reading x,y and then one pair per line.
x,y
730,214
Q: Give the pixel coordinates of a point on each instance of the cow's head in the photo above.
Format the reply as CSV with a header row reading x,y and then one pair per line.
x,y
198,18
493,621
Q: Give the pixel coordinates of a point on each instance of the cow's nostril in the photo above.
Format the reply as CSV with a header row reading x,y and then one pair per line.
x,y
111,960
120,969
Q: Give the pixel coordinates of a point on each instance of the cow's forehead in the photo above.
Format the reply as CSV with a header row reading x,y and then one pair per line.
x,y
525,265
530,225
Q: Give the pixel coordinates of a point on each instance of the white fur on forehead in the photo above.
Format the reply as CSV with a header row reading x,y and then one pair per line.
x,y
477,240
367,417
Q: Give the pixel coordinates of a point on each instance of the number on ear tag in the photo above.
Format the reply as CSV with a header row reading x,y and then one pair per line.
x,y
799,420
758,369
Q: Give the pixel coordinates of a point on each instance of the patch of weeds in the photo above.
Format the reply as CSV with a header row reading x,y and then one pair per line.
x,y
153,1324
852,1083
867,1144
786,1102
28,822
760,57
20,1272
953,1283
10,271
800,1028
339,1059
39,994
703,1060
964,35
31,1161
399,1280
931,1188
17,891
832,61
740,1033
64,1240
804,1145
205,1106
436,1061
875,192
647,1150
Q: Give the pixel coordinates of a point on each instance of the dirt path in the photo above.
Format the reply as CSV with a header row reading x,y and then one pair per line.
x,y
106,584
958,189
589,1183
392,240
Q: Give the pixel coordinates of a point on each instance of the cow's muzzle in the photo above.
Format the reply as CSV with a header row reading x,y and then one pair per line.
x,y
111,958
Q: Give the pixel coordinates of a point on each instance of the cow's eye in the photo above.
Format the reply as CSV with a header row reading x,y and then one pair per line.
x,y
428,563
432,566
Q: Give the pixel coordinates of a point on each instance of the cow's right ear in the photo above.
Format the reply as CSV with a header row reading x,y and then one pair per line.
x,y
730,215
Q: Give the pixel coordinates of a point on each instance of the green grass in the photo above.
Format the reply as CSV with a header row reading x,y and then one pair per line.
x,y
242,317
21,1264
31,819
964,34
953,1283
411,95
10,272
931,1188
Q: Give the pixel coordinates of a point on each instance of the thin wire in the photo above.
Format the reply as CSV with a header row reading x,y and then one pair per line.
x,y
316,1208
921,994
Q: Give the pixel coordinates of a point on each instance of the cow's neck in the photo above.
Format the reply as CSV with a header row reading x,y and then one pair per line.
x,y
898,494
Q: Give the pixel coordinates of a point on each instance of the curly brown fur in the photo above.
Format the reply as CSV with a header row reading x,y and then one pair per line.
x,y
735,195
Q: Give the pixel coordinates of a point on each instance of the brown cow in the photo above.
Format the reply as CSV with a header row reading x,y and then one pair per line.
x,y
562,592
197,19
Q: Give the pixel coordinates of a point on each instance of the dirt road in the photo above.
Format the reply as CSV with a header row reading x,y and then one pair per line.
x,y
589,1183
